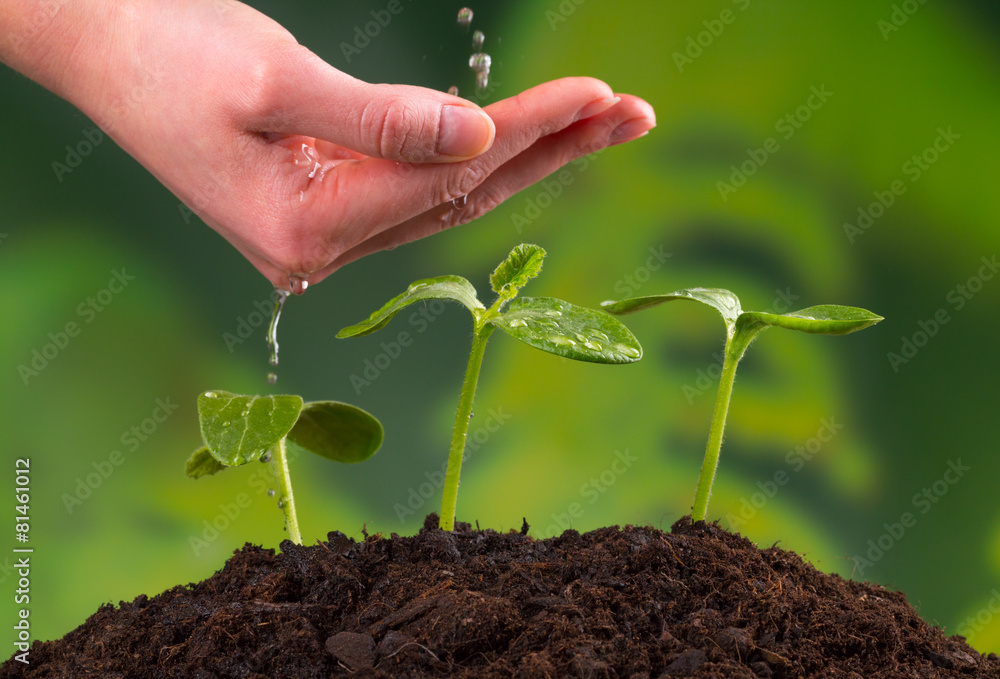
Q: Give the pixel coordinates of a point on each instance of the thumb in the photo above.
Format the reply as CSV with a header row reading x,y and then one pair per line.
x,y
396,122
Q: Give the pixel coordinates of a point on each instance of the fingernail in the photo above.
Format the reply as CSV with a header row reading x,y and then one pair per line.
x,y
464,131
629,130
595,107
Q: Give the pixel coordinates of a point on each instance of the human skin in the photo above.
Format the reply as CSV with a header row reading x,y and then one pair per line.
x,y
300,166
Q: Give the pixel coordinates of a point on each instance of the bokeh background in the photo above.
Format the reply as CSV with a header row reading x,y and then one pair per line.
x,y
850,92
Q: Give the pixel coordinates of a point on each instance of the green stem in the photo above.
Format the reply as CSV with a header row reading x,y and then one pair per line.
x,y
449,499
735,346
286,500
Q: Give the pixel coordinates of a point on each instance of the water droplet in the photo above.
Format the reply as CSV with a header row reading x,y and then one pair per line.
x,y
460,202
453,91
562,341
518,323
597,334
482,80
593,346
281,504
553,313
272,330
471,414
266,457
212,394
480,61
272,378
631,352
477,40
225,424
464,17
270,492
298,284
580,337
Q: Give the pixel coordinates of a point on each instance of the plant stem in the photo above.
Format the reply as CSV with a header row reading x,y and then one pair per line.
x,y
733,354
286,501
449,499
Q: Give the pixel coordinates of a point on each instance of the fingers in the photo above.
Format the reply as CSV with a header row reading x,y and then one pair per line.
x,y
624,121
396,193
306,96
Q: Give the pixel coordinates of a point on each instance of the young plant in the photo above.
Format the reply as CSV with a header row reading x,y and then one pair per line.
x,y
545,323
741,329
240,429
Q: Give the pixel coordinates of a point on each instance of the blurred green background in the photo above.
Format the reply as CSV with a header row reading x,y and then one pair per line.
x,y
850,92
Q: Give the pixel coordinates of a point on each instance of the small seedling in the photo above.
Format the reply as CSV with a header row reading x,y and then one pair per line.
x,y
741,329
545,323
241,429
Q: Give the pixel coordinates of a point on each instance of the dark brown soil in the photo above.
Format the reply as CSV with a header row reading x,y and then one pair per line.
x,y
696,602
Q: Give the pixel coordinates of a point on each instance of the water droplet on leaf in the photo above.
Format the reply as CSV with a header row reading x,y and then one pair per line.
x,y
631,352
270,492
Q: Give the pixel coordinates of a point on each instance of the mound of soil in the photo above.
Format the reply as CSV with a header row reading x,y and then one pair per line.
x,y
633,602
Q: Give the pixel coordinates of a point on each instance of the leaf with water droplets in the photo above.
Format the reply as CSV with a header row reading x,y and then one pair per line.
x,y
454,288
825,319
568,330
725,302
239,429
522,264
201,463
337,431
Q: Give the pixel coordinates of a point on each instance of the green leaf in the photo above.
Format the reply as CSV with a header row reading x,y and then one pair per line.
x,y
522,264
564,329
725,302
201,463
337,431
239,429
825,319
454,288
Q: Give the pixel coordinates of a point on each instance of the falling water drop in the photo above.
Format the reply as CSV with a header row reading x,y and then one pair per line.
x,y
298,284
272,330
464,17
480,61
482,80
477,40
272,378
453,90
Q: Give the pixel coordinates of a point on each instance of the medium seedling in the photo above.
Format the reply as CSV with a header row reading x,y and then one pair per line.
x,y
241,429
741,329
545,323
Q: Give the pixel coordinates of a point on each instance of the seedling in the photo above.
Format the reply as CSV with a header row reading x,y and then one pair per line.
x,y
741,329
545,323
241,429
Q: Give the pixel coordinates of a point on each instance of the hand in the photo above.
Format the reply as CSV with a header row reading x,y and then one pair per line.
x,y
300,166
